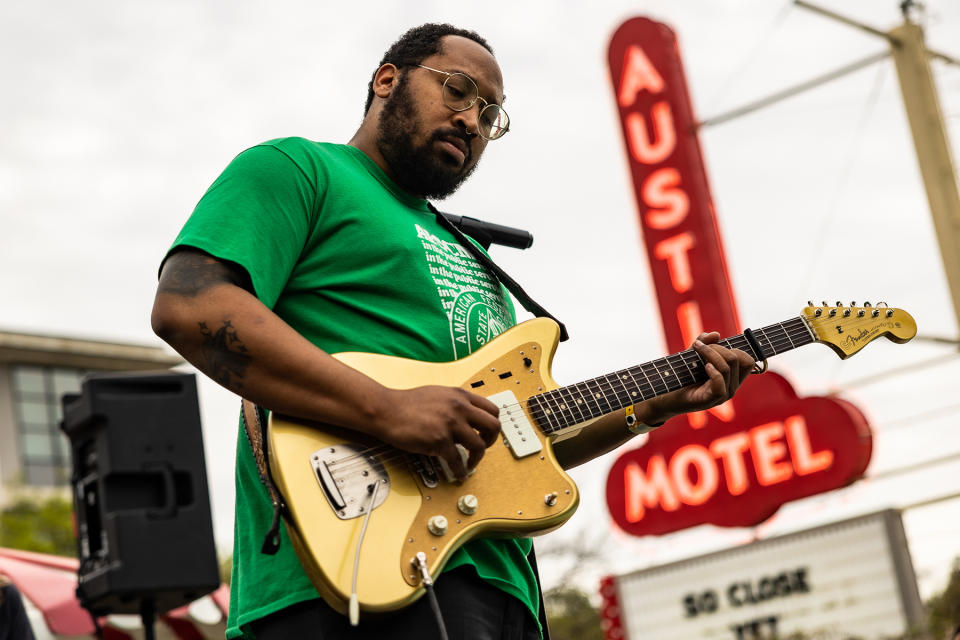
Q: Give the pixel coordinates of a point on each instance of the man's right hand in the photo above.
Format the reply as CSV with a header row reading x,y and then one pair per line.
x,y
432,420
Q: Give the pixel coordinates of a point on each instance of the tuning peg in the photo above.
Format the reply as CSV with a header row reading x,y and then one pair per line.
x,y
839,304
889,312
846,313
876,313
853,303
825,303
860,313
866,304
809,303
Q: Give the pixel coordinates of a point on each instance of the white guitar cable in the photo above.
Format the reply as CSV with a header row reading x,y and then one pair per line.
x,y
354,602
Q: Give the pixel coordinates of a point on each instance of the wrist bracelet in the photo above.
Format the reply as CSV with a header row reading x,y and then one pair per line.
x,y
636,427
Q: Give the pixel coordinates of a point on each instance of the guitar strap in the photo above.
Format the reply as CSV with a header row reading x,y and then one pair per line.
x,y
255,426
528,303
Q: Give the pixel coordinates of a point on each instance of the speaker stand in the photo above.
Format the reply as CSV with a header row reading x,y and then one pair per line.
x,y
148,614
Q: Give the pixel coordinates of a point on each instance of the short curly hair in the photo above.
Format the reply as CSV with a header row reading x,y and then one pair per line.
x,y
416,45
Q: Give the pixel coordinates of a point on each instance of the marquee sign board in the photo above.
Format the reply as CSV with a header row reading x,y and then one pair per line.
x,y
735,464
852,578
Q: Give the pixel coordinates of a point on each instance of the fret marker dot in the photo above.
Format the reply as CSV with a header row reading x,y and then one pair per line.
x,y
596,395
548,410
634,393
579,400
563,406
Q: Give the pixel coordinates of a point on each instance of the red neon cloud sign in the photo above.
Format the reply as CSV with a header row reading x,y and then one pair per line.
x,y
736,464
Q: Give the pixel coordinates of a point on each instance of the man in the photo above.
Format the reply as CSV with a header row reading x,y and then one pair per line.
x,y
302,249
14,624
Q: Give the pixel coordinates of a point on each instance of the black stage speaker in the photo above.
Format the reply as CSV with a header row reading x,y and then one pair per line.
x,y
144,530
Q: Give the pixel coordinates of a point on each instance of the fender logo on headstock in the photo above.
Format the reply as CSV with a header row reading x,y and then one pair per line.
x,y
864,334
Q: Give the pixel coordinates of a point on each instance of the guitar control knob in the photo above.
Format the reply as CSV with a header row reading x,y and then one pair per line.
x,y
468,504
437,525
550,499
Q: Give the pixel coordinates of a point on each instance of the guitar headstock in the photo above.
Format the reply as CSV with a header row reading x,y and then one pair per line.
x,y
846,330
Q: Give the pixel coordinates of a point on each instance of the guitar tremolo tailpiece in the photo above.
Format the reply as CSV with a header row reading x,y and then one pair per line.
x,y
345,473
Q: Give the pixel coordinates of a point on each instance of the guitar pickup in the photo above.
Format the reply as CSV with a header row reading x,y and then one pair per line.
x,y
520,436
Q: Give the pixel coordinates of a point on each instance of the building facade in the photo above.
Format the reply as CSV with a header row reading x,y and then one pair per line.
x,y
35,372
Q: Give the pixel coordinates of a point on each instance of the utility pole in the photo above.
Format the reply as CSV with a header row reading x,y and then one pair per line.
x,y
912,60
933,151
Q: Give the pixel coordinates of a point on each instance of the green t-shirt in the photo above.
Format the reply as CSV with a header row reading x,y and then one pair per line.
x,y
353,263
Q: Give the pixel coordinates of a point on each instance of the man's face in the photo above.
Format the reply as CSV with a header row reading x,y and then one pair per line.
x,y
429,148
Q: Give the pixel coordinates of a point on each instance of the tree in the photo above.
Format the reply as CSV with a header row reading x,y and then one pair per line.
x,y
570,613
226,569
41,525
944,607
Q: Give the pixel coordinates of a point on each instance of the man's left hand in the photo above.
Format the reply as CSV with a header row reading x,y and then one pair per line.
x,y
726,370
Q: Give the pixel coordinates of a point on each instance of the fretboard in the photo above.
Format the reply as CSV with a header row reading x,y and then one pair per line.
x,y
569,406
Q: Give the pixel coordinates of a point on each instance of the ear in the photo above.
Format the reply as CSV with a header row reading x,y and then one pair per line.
x,y
385,79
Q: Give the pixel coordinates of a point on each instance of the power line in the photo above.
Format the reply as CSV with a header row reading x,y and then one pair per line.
x,y
929,501
910,468
919,417
753,53
883,375
840,187
788,93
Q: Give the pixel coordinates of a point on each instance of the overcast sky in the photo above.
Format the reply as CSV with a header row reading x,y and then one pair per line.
x,y
115,116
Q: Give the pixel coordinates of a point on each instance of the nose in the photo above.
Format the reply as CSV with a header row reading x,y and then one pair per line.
x,y
469,120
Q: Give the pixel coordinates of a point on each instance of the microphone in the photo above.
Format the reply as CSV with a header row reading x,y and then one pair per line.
x,y
487,233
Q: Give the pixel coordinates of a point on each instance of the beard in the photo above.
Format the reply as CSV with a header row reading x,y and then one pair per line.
x,y
418,169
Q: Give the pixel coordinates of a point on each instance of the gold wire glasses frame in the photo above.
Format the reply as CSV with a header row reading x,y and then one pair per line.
x,y
460,93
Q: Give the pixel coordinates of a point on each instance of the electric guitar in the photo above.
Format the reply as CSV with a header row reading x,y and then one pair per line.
x,y
371,523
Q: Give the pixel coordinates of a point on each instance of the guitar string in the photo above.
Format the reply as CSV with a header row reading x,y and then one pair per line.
x,y
783,334
512,410
540,415
788,330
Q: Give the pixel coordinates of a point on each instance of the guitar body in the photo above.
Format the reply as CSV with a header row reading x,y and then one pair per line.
x,y
515,492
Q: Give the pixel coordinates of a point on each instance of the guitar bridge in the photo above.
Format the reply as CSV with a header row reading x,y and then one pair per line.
x,y
345,472
423,467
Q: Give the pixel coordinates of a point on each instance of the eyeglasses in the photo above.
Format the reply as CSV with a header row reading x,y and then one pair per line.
x,y
460,93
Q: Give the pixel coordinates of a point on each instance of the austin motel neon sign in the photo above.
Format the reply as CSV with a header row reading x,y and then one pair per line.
x,y
735,464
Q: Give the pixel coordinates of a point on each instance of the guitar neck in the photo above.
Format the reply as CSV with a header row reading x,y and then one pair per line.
x,y
574,404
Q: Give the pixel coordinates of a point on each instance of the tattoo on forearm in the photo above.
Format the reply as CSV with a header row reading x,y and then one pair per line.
x,y
189,273
225,355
